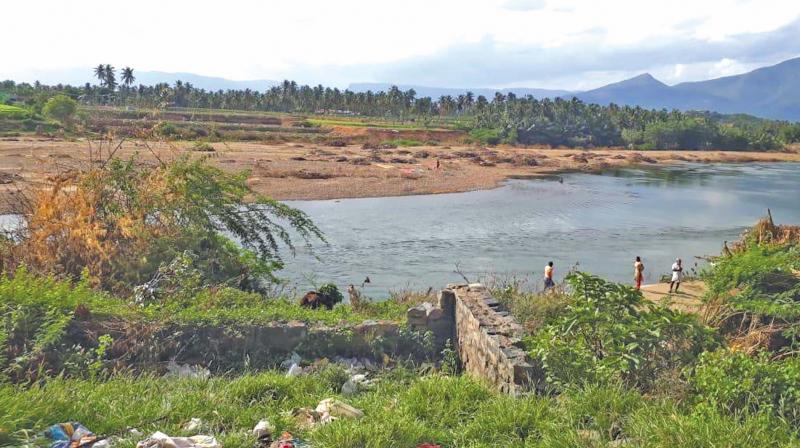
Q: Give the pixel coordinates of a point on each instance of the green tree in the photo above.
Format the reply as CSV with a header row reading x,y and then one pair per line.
x,y
127,76
100,73
61,108
110,77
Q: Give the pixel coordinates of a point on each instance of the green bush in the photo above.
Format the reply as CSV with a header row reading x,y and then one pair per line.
x,y
743,385
61,108
610,334
486,136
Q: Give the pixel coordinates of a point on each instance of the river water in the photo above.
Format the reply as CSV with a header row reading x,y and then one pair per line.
x,y
598,221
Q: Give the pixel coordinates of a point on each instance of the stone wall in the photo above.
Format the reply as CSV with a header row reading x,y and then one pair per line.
x,y
221,348
489,340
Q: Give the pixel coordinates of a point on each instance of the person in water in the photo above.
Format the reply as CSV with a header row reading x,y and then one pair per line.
x,y
677,275
638,272
548,276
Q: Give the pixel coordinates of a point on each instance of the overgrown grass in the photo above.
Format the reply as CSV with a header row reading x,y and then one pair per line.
x,y
224,306
402,410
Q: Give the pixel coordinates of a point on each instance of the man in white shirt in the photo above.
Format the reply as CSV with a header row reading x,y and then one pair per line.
x,y
677,275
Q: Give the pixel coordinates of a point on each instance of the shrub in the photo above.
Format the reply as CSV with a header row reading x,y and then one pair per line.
x,y
202,147
119,223
740,384
61,108
609,333
486,136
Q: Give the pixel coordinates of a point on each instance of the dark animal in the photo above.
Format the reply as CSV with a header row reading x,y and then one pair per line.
x,y
314,300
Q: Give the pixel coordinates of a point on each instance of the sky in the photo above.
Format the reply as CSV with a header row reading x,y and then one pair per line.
x,y
565,44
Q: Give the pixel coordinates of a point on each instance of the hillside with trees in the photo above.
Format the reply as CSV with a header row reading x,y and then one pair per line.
x,y
503,118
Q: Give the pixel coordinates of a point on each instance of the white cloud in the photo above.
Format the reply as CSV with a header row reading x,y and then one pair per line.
x,y
363,40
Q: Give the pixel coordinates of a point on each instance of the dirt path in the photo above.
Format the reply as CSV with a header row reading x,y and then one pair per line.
x,y
311,171
688,299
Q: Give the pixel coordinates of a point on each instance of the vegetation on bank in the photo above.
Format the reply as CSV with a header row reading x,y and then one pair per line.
x,y
500,119
403,409
124,247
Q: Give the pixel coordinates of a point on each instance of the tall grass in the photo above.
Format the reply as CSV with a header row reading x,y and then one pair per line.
x,y
402,410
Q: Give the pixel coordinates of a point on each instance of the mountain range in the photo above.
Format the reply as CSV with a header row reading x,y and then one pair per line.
x,y
767,92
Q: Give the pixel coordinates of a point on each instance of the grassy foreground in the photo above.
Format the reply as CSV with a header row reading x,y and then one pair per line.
x,y
402,410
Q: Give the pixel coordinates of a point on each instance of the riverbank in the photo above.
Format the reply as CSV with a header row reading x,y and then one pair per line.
x,y
293,171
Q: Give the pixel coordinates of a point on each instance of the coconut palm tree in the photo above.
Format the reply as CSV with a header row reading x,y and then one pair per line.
x,y
127,76
110,77
100,73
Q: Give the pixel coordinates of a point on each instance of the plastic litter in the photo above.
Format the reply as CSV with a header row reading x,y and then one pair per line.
x,y
305,418
160,440
287,440
354,384
187,371
294,358
428,445
294,370
326,411
263,432
193,425
70,435
337,409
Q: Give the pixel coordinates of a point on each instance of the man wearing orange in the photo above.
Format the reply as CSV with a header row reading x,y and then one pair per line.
x,y
638,272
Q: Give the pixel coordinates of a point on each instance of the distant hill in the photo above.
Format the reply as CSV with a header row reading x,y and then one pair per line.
x,y
203,82
436,92
768,92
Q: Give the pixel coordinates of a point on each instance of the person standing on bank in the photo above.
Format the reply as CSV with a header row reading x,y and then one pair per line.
x,y
638,272
677,275
548,276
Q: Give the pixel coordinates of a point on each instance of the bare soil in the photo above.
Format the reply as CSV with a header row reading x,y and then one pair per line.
x,y
314,171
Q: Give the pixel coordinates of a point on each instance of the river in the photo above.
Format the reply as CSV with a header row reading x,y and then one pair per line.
x,y
599,222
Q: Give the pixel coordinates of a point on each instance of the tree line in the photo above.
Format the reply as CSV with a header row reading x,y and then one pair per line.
x,y
501,119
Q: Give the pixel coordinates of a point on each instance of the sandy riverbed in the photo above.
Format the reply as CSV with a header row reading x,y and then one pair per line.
x,y
309,171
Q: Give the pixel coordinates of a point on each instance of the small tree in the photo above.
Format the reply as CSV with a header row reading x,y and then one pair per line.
x,y
61,108
120,223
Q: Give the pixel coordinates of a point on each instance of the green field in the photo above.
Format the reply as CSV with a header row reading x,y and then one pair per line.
x,y
13,112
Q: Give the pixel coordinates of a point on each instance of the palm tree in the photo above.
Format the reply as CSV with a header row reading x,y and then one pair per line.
x,y
100,73
127,76
110,77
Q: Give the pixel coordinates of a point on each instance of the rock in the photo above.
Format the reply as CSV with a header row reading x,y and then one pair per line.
x,y
419,312
435,314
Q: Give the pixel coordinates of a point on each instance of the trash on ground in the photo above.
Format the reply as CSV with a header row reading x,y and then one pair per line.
x,y
428,445
160,440
337,409
294,358
263,432
70,435
354,384
305,418
193,425
287,440
187,371
294,370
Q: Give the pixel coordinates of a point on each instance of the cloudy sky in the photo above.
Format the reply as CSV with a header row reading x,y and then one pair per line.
x,y
569,44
